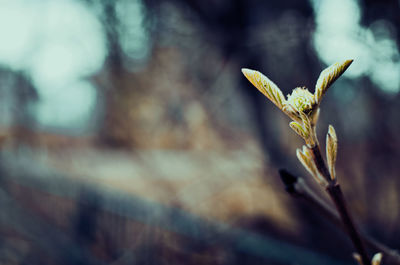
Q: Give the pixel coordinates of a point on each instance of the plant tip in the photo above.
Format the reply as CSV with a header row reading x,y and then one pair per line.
x,y
246,71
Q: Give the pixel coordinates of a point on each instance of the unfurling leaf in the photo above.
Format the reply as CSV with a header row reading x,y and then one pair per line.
x,y
357,257
298,128
306,158
301,99
308,128
306,122
306,161
328,76
265,86
377,259
331,150
291,112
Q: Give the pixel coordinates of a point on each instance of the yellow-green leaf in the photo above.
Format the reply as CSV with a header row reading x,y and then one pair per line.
x,y
328,77
265,86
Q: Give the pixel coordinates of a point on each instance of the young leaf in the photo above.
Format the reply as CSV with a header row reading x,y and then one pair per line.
x,y
306,159
377,259
357,257
265,86
331,150
328,76
298,129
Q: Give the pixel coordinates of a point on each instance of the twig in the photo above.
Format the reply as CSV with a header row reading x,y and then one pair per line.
x,y
297,187
336,195
302,107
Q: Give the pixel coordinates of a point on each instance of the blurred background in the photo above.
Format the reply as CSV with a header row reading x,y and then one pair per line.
x,y
130,136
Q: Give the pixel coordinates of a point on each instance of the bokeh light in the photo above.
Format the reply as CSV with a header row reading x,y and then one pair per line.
x,y
340,35
58,44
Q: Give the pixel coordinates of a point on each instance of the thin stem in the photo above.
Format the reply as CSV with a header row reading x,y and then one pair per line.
x,y
319,162
336,194
337,197
298,188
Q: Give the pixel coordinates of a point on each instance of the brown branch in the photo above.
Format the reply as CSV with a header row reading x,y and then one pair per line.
x,y
337,197
298,188
319,162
